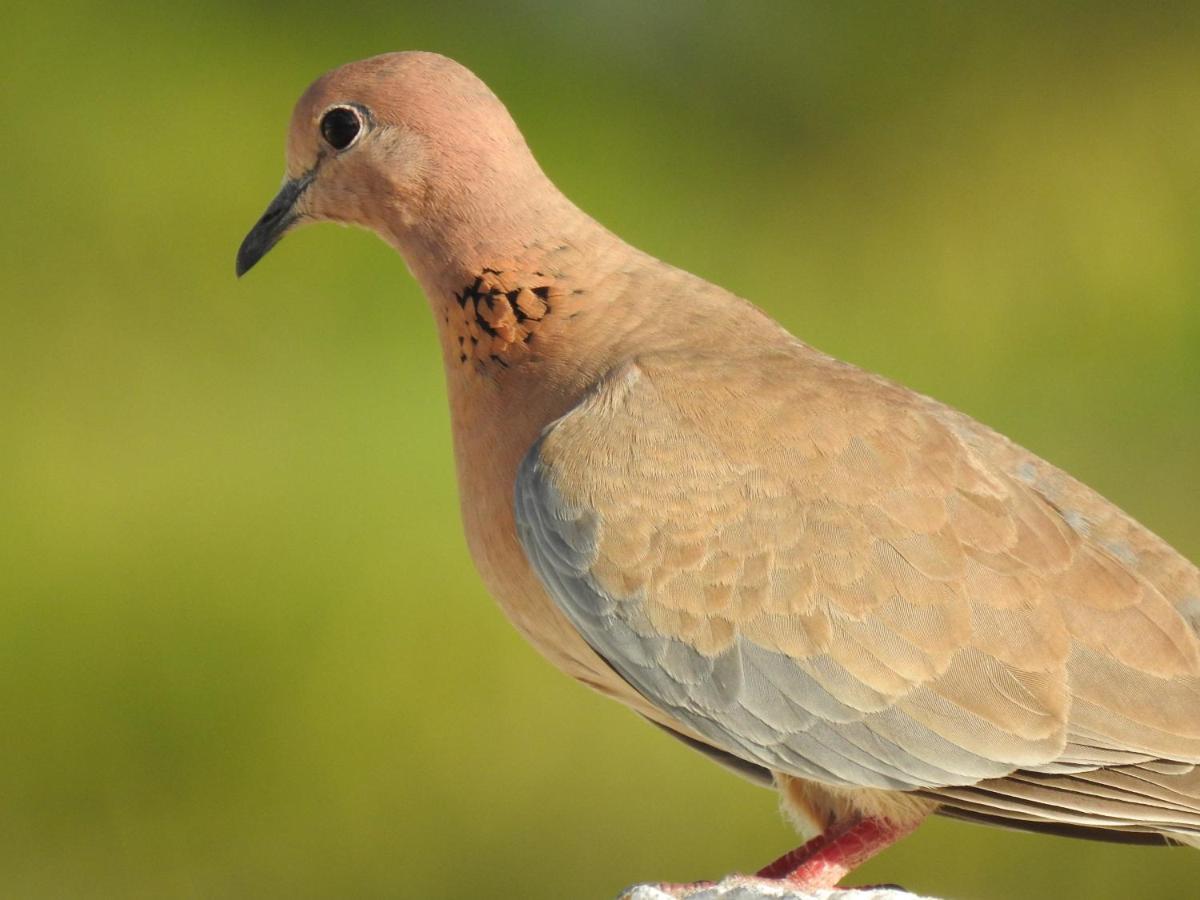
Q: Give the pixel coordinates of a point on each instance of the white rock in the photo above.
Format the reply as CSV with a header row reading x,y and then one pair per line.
x,y
737,888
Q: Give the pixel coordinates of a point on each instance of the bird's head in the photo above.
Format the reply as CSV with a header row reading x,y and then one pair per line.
x,y
396,143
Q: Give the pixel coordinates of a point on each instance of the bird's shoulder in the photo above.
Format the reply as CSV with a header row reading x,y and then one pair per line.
x,y
791,437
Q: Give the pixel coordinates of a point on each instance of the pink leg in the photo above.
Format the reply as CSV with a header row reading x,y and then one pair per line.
x,y
821,863
825,860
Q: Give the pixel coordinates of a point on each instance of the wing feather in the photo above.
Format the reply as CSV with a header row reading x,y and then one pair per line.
x,y
827,576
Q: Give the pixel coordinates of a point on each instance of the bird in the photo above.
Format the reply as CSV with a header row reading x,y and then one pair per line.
x,y
826,582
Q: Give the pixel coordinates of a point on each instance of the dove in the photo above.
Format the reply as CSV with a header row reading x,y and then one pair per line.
x,y
828,583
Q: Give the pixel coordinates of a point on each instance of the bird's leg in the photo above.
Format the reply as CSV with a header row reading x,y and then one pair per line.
x,y
821,863
827,858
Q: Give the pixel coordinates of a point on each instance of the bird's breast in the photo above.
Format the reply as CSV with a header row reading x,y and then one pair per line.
x,y
488,449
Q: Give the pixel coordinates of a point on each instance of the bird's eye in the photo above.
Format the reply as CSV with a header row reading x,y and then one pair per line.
x,y
341,126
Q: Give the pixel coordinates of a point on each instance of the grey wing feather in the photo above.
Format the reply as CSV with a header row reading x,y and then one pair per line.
x,y
754,703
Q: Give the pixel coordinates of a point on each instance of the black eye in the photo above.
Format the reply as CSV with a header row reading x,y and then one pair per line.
x,y
341,126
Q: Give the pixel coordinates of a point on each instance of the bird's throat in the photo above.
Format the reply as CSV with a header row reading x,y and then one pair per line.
x,y
494,319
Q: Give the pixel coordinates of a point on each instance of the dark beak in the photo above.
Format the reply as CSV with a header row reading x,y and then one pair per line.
x,y
279,217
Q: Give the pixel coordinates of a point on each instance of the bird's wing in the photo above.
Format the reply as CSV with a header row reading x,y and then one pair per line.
x,y
829,576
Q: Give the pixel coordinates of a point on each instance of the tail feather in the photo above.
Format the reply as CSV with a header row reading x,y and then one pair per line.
x,y
1157,801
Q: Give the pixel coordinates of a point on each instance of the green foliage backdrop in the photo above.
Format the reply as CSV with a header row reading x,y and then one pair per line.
x,y
243,652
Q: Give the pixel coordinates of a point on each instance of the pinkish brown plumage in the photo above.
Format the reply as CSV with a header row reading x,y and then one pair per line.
x,y
816,576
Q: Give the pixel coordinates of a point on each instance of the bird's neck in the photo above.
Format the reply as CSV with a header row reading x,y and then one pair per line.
x,y
530,309
454,238
522,285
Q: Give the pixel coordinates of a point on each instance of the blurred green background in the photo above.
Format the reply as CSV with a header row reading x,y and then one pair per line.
x,y
243,652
